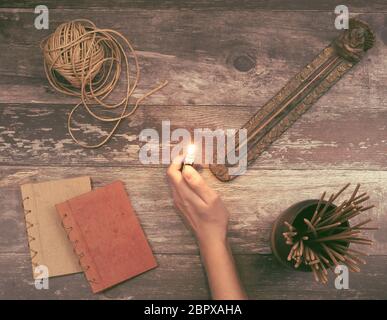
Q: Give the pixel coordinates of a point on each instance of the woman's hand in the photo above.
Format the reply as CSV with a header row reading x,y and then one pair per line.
x,y
204,212
202,209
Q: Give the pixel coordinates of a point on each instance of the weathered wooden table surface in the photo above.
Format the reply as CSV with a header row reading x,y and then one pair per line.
x,y
223,59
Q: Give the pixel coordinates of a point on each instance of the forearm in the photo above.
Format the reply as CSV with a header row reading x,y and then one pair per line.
x,y
207,216
221,271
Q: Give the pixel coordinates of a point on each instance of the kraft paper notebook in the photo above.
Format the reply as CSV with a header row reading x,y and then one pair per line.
x,y
107,236
47,240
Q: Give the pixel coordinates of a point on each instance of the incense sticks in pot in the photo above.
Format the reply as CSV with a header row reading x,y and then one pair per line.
x,y
321,240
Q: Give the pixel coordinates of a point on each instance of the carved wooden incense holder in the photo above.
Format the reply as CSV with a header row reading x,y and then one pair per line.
x,y
299,94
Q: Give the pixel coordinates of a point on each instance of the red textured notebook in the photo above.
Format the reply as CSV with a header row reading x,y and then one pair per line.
x,y
107,236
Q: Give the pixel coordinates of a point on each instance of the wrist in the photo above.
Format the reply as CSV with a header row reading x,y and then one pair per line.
x,y
209,245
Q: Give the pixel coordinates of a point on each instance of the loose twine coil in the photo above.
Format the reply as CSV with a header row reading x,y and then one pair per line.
x,y
85,61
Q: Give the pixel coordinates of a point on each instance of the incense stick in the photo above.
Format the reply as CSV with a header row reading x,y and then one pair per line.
x,y
323,241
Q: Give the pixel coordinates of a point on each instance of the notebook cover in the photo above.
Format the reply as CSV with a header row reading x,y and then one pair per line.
x,y
107,236
47,240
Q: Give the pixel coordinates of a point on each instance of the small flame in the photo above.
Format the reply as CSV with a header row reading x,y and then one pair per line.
x,y
191,149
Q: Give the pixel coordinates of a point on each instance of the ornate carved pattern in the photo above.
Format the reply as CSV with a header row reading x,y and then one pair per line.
x,y
302,91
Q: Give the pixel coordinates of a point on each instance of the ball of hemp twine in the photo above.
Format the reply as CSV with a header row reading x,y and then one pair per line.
x,y
85,61
73,54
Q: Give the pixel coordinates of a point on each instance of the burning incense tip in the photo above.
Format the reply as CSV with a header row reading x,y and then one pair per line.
x,y
190,157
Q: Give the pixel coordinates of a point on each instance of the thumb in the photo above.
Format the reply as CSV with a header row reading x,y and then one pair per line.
x,y
196,182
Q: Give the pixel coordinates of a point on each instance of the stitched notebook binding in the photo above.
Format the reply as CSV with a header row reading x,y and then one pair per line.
x,y
31,238
85,267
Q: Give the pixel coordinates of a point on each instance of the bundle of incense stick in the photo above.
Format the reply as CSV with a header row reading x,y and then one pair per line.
x,y
323,241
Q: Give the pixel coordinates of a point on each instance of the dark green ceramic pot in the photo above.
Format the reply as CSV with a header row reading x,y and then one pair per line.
x,y
295,216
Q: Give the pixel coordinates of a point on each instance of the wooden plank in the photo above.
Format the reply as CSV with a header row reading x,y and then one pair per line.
x,y
255,200
37,134
209,57
263,277
327,5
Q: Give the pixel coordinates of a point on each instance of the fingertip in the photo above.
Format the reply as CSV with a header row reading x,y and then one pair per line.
x,y
190,174
187,172
175,166
178,159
